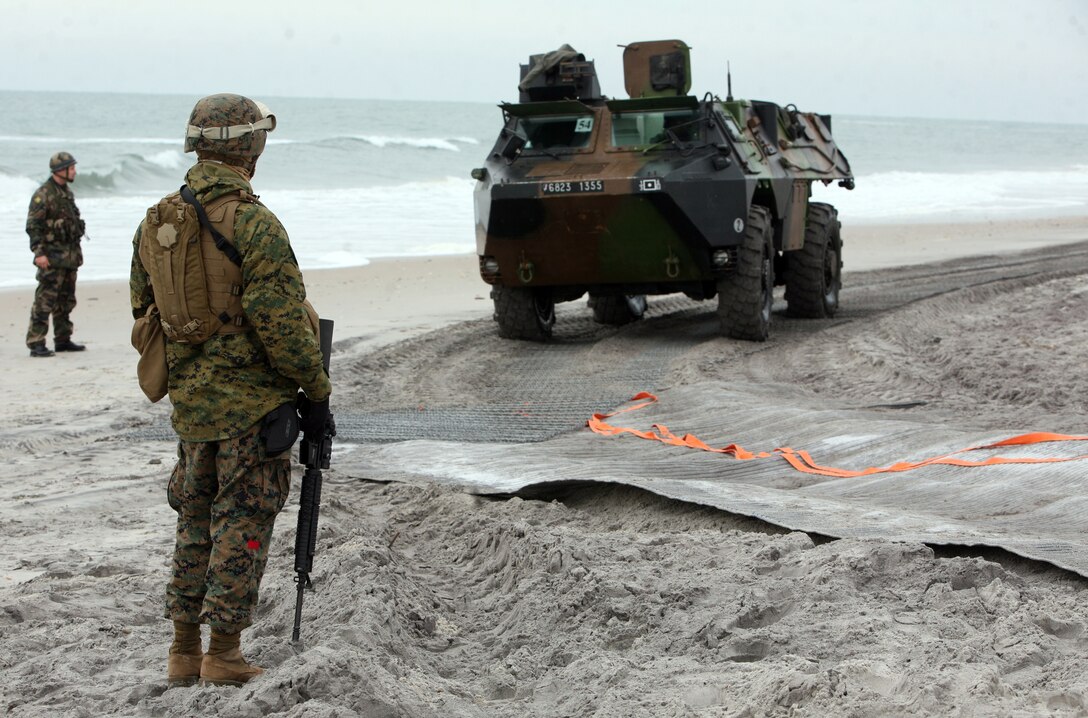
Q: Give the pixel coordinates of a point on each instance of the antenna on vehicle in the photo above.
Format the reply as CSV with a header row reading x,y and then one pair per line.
x,y
728,83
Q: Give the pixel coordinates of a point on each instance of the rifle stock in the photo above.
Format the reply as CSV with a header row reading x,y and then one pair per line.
x,y
315,453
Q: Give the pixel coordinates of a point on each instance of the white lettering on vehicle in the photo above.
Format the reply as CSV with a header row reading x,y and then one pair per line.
x,y
569,187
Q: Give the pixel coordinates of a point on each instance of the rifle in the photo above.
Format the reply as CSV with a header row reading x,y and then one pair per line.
x,y
314,453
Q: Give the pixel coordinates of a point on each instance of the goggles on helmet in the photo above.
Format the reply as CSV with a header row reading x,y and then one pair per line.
x,y
267,122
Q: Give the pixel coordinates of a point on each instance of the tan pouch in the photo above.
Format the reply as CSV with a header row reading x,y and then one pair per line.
x,y
148,339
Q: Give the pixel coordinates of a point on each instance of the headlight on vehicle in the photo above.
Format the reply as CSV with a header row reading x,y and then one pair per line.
x,y
720,258
489,269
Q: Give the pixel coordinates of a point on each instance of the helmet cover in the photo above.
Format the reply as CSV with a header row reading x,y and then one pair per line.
x,y
229,125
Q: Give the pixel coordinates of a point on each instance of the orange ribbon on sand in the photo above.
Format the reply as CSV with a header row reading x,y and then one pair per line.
x,y
803,461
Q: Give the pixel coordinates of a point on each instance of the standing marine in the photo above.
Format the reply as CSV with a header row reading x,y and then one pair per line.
x,y
55,230
233,372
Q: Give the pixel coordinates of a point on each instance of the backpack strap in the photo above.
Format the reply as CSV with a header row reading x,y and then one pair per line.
x,y
221,242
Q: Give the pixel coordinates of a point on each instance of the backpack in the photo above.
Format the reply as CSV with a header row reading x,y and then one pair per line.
x,y
196,274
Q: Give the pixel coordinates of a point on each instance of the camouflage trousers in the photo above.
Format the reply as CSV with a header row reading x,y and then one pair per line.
x,y
56,295
227,495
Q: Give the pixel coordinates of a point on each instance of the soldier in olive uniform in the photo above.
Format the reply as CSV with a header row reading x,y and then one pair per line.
x,y
225,489
55,229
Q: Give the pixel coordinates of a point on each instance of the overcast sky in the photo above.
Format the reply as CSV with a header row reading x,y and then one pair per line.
x,y
987,59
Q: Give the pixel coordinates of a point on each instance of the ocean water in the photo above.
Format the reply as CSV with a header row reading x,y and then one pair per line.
x,y
354,180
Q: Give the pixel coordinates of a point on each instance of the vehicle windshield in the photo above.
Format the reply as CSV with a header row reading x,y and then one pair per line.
x,y
555,132
640,129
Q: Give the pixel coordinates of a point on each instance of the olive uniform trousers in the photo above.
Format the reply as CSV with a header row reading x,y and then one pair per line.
x,y
56,295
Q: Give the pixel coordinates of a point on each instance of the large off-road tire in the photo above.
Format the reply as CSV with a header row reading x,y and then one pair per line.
x,y
746,294
617,309
523,313
813,273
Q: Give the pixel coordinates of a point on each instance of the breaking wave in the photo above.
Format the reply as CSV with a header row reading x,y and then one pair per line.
x,y
134,174
451,144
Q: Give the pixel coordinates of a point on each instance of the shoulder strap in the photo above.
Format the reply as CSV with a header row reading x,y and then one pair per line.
x,y
220,241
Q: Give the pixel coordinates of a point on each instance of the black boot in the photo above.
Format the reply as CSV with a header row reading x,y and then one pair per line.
x,y
40,350
68,346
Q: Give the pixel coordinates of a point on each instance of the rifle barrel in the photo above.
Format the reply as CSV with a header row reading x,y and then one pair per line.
x,y
298,608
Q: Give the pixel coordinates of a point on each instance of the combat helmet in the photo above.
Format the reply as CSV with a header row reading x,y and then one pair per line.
x,y
229,127
61,161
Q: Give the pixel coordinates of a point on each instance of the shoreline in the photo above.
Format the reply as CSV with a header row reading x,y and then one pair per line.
x,y
394,298
879,244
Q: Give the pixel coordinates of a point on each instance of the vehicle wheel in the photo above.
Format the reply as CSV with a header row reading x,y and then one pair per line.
x,y
523,313
813,273
746,294
617,309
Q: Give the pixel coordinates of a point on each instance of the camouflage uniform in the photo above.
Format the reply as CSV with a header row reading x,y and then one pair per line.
x,y
226,491
55,230
226,494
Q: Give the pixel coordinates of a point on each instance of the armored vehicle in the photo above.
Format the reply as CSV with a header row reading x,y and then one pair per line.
x,y
656,194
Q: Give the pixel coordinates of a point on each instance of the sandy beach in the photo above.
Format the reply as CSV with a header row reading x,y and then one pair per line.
x,y
434,602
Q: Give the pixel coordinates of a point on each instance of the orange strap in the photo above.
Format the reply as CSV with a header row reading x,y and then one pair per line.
x,y
802,461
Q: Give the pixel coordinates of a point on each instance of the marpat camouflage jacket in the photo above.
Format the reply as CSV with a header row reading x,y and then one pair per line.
x,y
224,386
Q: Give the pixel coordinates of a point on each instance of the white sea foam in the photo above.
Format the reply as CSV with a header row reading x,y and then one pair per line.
x,y
430,143
975,196
383,141
414,219
328,228
15,190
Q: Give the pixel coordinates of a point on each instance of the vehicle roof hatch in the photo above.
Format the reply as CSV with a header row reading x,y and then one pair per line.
x,y
661,68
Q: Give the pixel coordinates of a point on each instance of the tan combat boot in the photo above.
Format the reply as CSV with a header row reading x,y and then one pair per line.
x,y
183,669
183,664
223,664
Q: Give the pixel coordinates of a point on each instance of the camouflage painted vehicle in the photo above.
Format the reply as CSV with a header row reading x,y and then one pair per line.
x,y
656,194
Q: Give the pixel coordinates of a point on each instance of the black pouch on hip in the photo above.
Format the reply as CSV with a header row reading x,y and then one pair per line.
x,y
279,429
